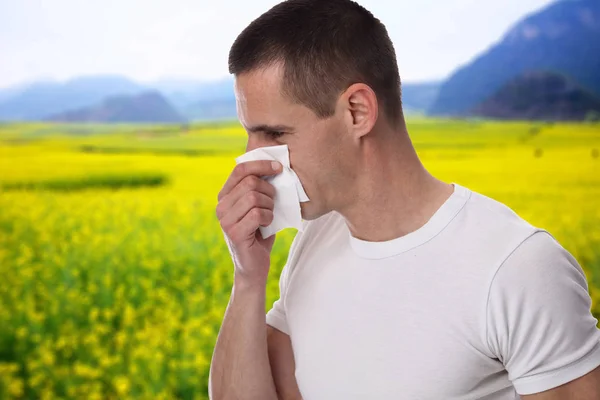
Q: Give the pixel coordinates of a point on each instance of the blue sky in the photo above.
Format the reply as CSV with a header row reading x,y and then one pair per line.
x,y
151,39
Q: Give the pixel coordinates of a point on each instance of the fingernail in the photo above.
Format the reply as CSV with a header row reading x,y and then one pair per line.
x,y
275,165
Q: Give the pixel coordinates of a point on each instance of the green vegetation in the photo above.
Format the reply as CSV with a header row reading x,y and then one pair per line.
x,y
119,293
89,182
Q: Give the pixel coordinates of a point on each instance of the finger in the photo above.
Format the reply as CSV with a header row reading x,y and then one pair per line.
x,y
245,229
249,184
249,201
258,168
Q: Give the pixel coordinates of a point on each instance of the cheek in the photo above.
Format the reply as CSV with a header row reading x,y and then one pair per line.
x,y
320,155
333,147
308,165
322,164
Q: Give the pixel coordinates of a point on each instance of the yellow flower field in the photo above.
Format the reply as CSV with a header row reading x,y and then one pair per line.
x,y
115,275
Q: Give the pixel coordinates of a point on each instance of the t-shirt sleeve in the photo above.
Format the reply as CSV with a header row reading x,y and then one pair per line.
x,y
276,316
539,322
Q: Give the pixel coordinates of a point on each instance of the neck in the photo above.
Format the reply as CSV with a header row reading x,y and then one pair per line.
x,y
394,193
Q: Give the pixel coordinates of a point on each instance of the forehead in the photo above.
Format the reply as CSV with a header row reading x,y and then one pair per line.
x,y
260,100
253,85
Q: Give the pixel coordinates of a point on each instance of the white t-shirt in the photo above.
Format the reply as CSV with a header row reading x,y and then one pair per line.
x,y
476,304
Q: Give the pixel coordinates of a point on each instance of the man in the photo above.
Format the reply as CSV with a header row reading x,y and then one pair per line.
x,y
400,286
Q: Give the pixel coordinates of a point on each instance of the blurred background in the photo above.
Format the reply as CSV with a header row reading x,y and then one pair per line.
x,y
118,128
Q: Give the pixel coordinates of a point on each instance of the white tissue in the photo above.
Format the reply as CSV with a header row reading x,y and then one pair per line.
x,y
288,189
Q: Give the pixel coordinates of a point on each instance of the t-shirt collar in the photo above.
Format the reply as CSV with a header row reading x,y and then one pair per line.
x,y
440,219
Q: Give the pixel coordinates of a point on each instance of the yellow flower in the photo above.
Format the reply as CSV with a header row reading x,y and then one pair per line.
x,y
156,257
94,314
47,393
94,396
86,371
47,357
16,388
21,332
36,380
121,384
105,361
128,315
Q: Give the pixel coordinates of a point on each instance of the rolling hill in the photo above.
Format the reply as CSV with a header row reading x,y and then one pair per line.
x,y
147,107
36,101
540,95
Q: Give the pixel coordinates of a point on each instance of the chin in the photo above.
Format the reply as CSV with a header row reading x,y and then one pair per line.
x,y
310,211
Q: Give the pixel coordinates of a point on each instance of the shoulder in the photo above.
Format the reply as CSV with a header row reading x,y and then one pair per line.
x,y
539,322
539,286
488,232
538,260
491,214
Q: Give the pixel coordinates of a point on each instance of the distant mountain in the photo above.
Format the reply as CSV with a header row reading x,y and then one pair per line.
x,y
147,107
186,93
208,110
540,96
38,100
10,92
216,100
419,97
564,37
194,100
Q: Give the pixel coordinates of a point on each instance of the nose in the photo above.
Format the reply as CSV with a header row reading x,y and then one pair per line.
x,y
257,140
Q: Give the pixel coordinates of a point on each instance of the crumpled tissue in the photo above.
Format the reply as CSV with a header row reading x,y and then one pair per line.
x,y
289,192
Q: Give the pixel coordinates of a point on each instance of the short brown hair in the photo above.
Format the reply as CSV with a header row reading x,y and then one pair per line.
x,y
325,46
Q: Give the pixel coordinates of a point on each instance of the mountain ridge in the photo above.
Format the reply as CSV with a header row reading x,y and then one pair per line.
x,y
146,107
561,37
540,95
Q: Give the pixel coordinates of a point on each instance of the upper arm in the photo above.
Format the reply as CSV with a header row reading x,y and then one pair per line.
x,y
586,387
283,367
540,324
281,354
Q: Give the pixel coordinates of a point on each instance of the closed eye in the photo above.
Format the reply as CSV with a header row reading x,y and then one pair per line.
x,y
273,131
275,134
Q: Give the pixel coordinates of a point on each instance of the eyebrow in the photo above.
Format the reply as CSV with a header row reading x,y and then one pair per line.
x,y
269,128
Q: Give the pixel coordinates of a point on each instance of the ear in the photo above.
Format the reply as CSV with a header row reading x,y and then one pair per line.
x,y
362,109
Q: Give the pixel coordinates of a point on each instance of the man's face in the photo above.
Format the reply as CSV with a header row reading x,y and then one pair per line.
x,y
320,149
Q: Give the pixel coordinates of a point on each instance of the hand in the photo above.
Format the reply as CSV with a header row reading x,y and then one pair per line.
x,y
245,203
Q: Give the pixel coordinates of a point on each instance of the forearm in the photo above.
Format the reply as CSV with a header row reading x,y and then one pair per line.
x,y
240,366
